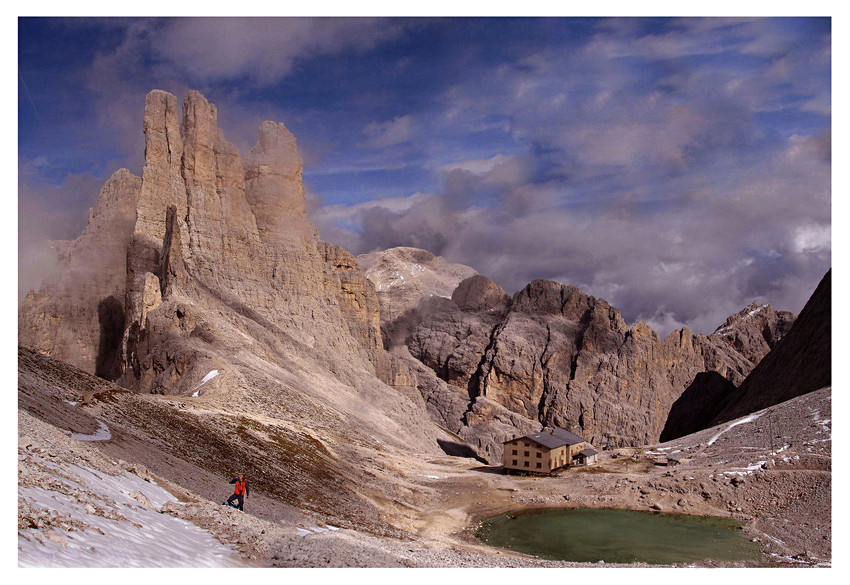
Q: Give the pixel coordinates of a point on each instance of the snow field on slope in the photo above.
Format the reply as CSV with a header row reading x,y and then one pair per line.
x,y
146,538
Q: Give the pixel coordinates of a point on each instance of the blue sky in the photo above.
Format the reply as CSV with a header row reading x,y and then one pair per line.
x,y
678,168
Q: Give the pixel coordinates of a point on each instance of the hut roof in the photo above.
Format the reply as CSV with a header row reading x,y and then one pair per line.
x,y
553,438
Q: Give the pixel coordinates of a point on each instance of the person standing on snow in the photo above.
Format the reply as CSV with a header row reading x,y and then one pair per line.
x,y
240,492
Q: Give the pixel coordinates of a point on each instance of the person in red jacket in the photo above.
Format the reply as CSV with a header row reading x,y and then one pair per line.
x,y
240,492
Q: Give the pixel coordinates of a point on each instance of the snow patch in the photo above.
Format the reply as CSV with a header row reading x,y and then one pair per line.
x,y
826,423
745,470
722,330
304,531
147,538
430,476
781,449
101,434
206,379
750,418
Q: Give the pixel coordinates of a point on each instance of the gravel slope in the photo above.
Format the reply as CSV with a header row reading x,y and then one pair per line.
x,y
396,508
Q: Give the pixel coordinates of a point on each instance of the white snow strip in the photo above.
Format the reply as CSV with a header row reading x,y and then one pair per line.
x,y
788,559
102,434
824,422
781,449
71,402
209,376
206,379
750,418
304,531
146,538
754,311
746,470
722,330
430,476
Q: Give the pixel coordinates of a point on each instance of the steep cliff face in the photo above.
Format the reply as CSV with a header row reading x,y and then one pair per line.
x,y
799,363
203,262
753,332
554,356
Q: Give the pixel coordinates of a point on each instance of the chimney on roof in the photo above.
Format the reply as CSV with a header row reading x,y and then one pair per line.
x,y
552,432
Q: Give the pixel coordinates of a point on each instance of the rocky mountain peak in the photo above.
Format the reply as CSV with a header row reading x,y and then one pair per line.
x,y
755,330
219,250
796,362
404,276
273,186
479,293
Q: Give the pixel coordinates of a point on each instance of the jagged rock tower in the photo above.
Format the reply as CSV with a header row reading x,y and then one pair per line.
x,y
177,267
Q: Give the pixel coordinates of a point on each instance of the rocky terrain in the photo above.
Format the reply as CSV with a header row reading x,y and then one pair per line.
x,y
553,356
98,464
199,328
404,276
798,362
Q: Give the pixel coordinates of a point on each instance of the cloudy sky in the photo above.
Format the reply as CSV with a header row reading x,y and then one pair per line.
x,y
678,168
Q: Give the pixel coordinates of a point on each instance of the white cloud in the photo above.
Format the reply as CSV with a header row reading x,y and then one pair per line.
x,y
389,133
477,166
262,49
812,238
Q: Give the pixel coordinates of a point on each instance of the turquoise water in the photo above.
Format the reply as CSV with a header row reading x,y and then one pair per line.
x,y
617,536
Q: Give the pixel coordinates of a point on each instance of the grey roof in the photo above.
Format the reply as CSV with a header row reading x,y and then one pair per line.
x,y
553,438
588,452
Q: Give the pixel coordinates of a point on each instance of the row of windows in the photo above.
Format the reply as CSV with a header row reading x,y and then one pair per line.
x,y
525,454
525,464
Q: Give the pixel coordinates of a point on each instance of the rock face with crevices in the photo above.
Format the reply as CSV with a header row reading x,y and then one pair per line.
x,y
210,262
555,356
799,363
755,330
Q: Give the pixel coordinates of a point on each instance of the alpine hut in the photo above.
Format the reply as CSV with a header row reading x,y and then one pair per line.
x,y
547,451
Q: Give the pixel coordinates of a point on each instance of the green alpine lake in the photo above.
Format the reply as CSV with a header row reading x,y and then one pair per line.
x,y
617,536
